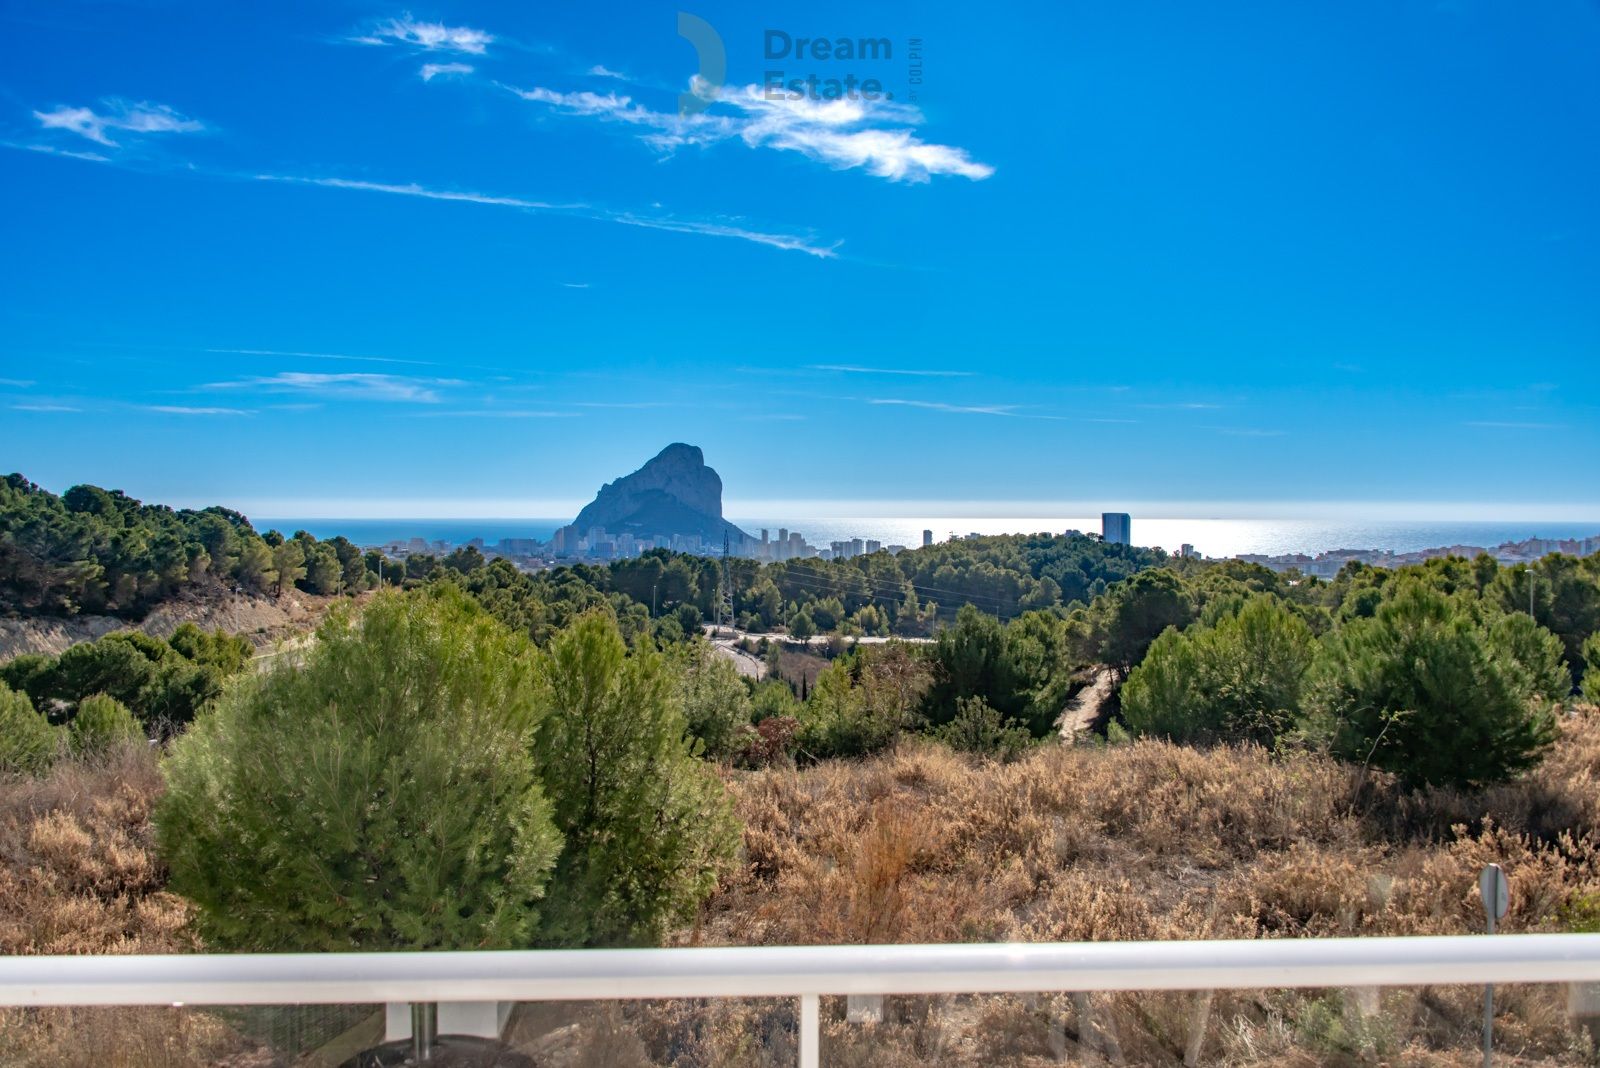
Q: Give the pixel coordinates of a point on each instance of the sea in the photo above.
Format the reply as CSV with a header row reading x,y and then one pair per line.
x,y
1210,537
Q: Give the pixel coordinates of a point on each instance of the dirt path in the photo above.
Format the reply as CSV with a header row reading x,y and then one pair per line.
x,y
1084,710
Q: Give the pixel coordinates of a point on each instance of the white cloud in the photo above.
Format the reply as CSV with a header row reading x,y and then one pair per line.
x,y
44,408
429,36
600,71
1491,424
709,228
354,385
871,135
183,409
430,71
119,115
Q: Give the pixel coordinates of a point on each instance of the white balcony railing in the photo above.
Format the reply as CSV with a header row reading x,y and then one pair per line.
x,y
803,972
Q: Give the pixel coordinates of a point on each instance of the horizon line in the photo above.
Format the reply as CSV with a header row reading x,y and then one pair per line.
x,y
1056,511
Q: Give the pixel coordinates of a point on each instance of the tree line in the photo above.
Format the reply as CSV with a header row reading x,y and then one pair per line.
x,y
101,551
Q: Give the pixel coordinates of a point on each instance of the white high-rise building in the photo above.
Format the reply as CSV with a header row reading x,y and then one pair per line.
x,y
927,538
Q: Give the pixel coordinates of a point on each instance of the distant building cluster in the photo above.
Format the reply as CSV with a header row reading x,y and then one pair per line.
x,y
791,545
1116,528
1329,564
597,543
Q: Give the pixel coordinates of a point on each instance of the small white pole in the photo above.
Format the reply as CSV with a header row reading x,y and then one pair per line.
x,y
810,1031
1496,897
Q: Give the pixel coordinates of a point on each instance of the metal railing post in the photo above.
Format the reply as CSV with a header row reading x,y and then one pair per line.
x,y
424,1025
810,1031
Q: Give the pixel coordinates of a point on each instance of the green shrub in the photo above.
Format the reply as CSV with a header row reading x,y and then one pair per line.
x,y
1135,612
1425,689
648,826
864,700
977,728
801,626
716,703
163,683
27,741
772,697
1238,680
100,724
380,795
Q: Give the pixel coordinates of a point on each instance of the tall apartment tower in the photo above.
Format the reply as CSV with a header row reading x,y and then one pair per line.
x,y
927,538
1116,528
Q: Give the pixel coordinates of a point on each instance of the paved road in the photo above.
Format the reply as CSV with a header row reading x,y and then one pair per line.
x,y
726,640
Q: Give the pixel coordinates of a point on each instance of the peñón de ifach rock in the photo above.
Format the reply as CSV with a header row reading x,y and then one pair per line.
x,y
674,494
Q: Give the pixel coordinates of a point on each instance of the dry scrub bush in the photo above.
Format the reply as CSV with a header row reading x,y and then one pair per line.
x,y
1157,841
77,870
78,875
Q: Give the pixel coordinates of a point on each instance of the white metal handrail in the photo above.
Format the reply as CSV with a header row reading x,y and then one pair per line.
x,y
794,971
805,972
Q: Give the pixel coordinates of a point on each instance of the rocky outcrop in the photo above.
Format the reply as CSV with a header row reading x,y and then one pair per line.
x,y
674,494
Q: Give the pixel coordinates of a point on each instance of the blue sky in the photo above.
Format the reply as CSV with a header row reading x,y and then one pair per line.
x,y
361,259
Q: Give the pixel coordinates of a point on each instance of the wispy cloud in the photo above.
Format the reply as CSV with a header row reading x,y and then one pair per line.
x,y
356,386
120,116
939,406
321,356
183,409
576,285
1493,424
504,413
709,228
1182,406
44,408
16,383
428,36
430,71
600,71
1245,431
787,242
875,136
52,150
623,404
917,373
412,189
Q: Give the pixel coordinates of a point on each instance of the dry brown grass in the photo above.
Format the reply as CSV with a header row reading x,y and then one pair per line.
x,y
1156,841
77,870
78,875
1143,841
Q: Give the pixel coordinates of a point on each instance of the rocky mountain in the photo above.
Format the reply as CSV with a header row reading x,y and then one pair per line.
x,y
673,494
